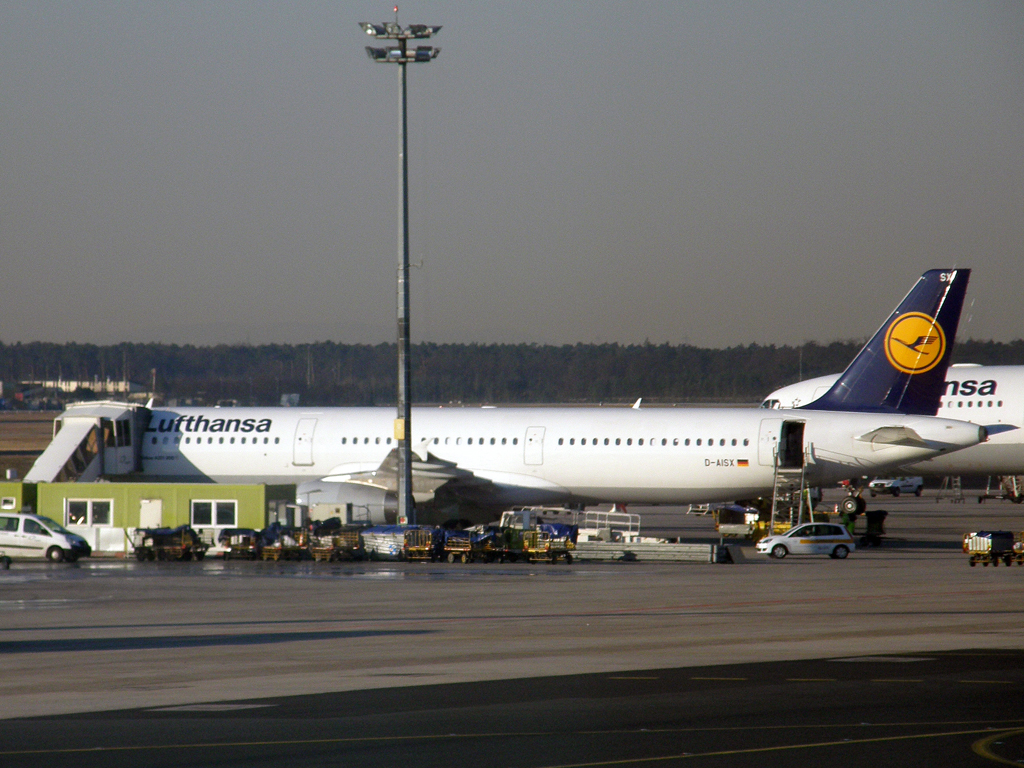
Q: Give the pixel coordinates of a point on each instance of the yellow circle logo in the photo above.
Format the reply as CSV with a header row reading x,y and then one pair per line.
x,y
914,343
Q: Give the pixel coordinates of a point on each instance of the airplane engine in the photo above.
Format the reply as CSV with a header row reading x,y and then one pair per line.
x,y
352,502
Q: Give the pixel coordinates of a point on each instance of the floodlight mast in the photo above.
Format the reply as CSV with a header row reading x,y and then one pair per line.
x,y
401,55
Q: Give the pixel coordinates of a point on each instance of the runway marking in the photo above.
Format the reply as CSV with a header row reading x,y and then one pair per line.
x,y
894,680
623,677
981,747
718,678
987,682
810,679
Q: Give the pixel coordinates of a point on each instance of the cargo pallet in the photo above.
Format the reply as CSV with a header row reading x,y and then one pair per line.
x,y
991,547
180,543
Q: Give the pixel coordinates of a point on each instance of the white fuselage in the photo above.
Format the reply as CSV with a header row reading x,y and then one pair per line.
x,y
992,396
536,455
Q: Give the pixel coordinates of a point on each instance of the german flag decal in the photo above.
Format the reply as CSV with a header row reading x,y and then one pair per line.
x,y
742,463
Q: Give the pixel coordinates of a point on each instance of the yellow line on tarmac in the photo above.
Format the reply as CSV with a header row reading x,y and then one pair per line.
x,y
810,679
987,682
623,677
981,747
718,678
763,750
894,680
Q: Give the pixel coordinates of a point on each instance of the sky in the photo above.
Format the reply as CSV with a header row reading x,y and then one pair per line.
x,y
711,173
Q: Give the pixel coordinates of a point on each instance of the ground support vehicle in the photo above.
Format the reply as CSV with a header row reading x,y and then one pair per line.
x,y
809,539
280,542
181,543
896,485
457,546
992,547
1009,487
27,535
333,542
384,542
422,543
240,543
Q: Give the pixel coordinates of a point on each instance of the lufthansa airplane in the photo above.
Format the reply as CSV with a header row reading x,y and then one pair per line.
x,y
877,416
990,395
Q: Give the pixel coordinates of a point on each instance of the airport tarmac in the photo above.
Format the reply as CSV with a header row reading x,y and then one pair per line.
x,y
351,649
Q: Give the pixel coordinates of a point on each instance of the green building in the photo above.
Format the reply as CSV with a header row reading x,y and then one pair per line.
x,y
106,514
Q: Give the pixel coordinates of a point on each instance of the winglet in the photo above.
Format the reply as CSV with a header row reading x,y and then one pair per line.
x,y
903,368
636,405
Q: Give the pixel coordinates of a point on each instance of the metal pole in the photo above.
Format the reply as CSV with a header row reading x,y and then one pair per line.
x,y
403,424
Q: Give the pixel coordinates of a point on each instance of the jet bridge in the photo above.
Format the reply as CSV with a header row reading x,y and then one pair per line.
x,y
92,440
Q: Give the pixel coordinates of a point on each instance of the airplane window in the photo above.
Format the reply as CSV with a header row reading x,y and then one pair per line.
x,y
188,440
686,441
165,440
154,441
980,403
561,441
606,441
266,440
232,441
479,441
366,440
629,441
209,441
344,440
458,441
503,440
469,441
595,441
969,403
492,441
960,404
722,441
377,441
698,441
989,403
999,404
220,440
734,441
572,441
675,441
746,441
640,441
278,440
664,441
436,440
515,441
618,441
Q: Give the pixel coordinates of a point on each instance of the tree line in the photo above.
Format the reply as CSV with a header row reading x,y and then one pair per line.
x,y
327,373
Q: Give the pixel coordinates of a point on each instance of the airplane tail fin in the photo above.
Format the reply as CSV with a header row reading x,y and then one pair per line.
x,y
903,368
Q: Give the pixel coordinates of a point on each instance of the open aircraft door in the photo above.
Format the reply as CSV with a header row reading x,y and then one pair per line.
x,y
768,441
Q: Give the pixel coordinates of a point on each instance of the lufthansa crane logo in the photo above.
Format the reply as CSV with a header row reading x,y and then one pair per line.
x,y
914,343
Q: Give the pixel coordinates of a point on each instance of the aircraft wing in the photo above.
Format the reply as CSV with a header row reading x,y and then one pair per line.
x,y
428,474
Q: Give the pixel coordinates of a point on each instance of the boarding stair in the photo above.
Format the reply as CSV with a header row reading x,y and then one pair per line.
x,y
788,508
951,488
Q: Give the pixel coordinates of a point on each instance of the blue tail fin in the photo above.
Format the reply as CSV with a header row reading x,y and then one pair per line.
x,y
903,368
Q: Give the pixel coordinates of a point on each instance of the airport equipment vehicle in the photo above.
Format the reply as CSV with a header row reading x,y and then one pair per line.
x,y
475,461
809,539
896,485
1009,487
992,546
384,542
181,543
282,542
27,535
422,543
331,540
239,543
457,546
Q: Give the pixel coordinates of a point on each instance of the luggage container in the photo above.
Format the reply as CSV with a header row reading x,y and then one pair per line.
x,y
181,543
384,542
332,541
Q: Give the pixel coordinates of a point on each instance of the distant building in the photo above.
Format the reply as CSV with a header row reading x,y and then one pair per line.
x,y
108,387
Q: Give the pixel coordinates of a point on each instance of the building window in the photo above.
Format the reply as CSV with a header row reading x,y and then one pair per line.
x,y
8,502
88,512
214,513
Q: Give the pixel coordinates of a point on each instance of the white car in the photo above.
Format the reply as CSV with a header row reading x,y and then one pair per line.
x,y
23,535
809,539
896,485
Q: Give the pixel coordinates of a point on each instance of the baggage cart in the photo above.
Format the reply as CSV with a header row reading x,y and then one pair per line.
x,y
993,547
279,542
422,544
239,543
181,543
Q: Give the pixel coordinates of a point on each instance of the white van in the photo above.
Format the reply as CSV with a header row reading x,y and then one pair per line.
x,y
24,535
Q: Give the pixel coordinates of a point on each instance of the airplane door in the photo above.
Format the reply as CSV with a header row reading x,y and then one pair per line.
x,y
534,448
303,455
768,441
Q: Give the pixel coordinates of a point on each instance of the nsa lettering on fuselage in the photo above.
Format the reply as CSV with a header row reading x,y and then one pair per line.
x,y
970,387
203,424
